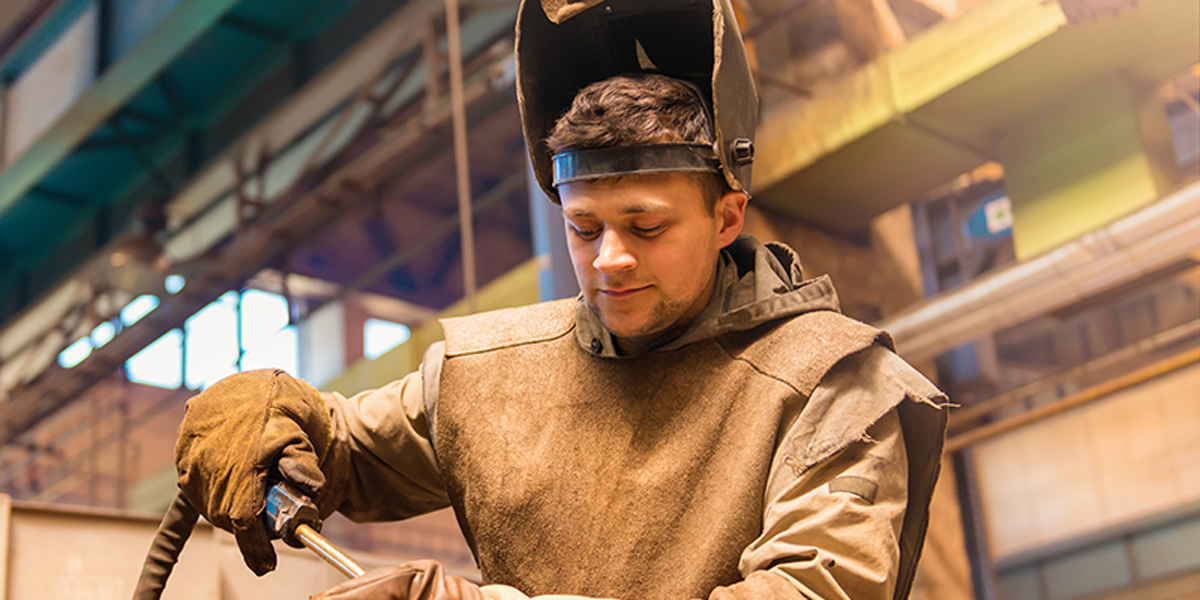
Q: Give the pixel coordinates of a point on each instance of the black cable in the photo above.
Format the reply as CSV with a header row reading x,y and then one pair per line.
x,y
164,551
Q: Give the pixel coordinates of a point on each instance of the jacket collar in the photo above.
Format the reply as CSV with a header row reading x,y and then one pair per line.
x,y
757,283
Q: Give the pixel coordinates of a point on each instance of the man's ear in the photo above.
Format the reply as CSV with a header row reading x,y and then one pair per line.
x,y
730,211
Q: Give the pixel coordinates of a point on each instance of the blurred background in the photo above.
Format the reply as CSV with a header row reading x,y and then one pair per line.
x,y
189,188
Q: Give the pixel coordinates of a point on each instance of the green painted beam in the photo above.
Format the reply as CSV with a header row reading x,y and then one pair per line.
x,y
190,20
883,91
1080,164
894,129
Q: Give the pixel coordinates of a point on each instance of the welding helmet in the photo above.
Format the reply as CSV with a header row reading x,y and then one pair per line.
x,y
566,45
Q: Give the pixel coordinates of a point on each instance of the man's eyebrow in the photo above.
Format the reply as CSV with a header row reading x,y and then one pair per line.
x,y
634,209
643,208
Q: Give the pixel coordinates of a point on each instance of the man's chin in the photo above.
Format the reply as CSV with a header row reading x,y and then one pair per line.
x,y
623,327
624,331
637,330
630,324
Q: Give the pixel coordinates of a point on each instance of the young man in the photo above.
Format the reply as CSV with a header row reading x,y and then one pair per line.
x,y
700,422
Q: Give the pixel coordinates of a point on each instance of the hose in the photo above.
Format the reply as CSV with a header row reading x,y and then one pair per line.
x,y
164,551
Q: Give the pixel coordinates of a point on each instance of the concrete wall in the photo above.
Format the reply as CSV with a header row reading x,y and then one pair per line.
x,y
60,554
51,85
1129,456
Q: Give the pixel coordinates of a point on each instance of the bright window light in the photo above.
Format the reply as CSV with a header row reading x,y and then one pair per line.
x,y
263,314
379,336
103,333
75,353
278,351
207,348
212,344
174,283
160,364
138,308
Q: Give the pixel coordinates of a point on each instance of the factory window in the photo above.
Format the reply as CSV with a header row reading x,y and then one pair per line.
x,y
379,336
211,348
160,364
140,307
236,332
75,353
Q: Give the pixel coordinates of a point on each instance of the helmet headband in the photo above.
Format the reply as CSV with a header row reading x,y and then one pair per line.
x,y
597,163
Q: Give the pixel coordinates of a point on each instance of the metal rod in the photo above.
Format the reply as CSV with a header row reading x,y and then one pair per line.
x,y
4,85
433,71
963,418
461,164
314,541
983,569
991,430
364,95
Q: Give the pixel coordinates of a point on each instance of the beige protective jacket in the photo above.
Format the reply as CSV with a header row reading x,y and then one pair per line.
x,y
772,449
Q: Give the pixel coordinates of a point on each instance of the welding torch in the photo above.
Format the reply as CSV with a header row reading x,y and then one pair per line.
x,y
292,517
289,515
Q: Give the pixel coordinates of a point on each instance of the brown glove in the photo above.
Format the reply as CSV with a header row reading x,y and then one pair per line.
x,y
417,580
234,435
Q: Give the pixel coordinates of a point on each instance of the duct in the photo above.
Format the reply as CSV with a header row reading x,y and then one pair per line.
x,y
1141,243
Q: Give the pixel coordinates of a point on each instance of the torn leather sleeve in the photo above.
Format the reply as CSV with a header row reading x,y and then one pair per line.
x,y
382,465
831,529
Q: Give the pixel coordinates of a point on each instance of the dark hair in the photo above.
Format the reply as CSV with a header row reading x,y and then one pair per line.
x,y
635,110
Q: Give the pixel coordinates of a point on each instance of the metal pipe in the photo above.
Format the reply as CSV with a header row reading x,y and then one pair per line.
x,y
461,165
1154,237
991,430
4,85
339,560
965,415
975,538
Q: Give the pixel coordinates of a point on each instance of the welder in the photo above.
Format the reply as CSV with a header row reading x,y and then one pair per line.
x,y
700,422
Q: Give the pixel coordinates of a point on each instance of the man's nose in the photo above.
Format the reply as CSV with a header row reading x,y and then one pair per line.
x,y
614,255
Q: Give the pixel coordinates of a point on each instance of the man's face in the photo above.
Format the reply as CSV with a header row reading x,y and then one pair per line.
x,y
645,249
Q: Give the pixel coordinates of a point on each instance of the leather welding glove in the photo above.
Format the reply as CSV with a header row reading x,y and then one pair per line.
x,y
234,436
417,580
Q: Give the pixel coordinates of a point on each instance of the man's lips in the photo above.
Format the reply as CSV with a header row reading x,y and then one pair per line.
x,y
624,292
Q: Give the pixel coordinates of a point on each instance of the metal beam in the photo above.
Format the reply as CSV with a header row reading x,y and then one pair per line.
x,y
130,114
1152,238
1097,392
190,20
462,166
278,53
930,110
320,96
36,32
170,95
306,208
110,143
57,197
433,235
148,162
156,157
4,85
252,29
